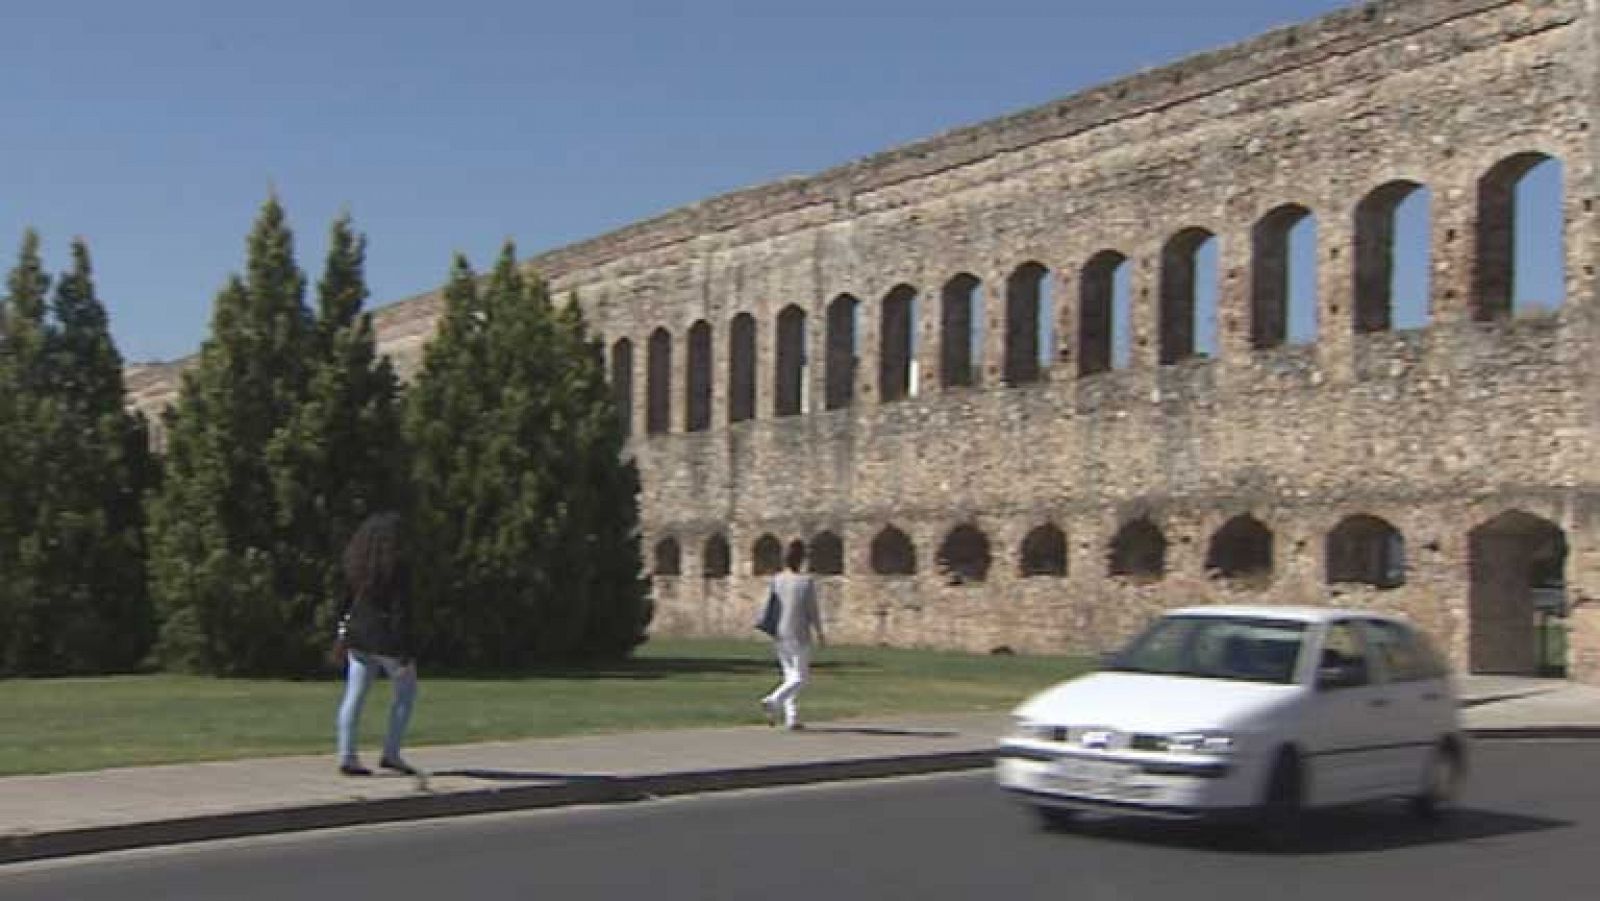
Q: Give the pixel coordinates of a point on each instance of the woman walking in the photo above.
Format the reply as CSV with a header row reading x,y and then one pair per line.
x,y
798,619
375,631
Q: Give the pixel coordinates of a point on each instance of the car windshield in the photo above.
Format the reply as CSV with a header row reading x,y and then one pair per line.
x,y
1242,648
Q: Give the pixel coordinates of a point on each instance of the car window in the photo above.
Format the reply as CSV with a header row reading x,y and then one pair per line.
x,y
1216,647
1402,652
1344,653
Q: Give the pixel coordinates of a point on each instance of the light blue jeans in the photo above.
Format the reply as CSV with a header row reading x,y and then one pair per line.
x,y
362,668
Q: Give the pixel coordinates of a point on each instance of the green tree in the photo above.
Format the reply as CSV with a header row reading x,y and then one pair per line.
x,y
525,509
76,464
232,588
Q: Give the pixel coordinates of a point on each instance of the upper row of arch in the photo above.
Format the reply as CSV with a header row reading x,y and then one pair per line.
x,y
1103,311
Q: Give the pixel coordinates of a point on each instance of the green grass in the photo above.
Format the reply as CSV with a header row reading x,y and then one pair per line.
x,y
64,725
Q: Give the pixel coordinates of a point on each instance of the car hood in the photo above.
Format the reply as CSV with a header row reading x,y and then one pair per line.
x,y
1144,702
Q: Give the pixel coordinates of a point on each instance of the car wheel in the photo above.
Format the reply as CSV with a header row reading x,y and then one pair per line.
x,y
1282,803
1441,783
1057,819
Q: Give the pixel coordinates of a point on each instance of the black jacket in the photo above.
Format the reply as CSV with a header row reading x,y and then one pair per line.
x,y
380,623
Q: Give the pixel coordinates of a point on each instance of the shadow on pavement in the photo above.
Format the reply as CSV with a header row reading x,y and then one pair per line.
x,y
882,730
1360,830
490,775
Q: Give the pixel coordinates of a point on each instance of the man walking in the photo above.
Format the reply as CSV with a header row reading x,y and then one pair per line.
x,y
798,617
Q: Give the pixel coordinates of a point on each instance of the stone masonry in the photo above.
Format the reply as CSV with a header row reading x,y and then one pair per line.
x,y
909,362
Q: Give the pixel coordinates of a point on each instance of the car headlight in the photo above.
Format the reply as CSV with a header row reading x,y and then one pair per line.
x,y
1022,727
1199,743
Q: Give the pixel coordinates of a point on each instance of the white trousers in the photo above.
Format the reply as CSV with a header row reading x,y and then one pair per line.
x,y
794,659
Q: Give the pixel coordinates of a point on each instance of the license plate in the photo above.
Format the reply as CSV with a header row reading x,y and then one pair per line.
x,y
1091,777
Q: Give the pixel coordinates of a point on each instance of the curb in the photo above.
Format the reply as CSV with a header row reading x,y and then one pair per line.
x,y
1503,733
595,790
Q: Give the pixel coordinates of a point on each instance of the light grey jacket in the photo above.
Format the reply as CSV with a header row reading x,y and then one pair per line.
x,y
797,601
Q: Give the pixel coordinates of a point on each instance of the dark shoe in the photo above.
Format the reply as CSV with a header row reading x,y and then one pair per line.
x,y
399,766
796,727
354,768
770,712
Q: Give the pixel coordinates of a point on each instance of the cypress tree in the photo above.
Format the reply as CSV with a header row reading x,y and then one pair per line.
x,y
24,620
524,506
229,579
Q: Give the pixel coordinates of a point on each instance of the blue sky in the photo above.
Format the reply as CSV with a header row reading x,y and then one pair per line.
x,y
156,128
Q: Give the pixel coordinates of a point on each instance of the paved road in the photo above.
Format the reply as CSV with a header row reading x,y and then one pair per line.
x,y
1532,829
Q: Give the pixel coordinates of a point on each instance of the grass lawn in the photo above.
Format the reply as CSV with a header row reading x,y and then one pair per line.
x,y
63,725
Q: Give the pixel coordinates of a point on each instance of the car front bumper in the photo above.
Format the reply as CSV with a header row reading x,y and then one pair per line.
x,y
1164,786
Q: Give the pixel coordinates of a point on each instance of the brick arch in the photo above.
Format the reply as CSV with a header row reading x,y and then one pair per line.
x,y
893,553
766,555
961,324
1271,276
742,368
622,383
716,559
1139,550
964,554
1027,289
1180,302
839,387
827,554
1097,312
789,384
1044,552
658,388
1373,262
1495,260
668,557
697,385
1509,559
1240,549
1367,550
897,328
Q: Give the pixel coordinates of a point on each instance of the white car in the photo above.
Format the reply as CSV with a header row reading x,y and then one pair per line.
x,y
1244,710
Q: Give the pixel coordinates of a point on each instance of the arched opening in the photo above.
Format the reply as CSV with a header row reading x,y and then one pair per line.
x,y
1283,285
668,557
1139,551
1365,550
766,557
1188,296
1044,552
961,332
658,414
1241,549
1104,314
1518,565
827,554
841,363
1392,258
897,345
716,560
893,553
788,398
622,383
697,400
1521,252
964,555
1029,332
742,368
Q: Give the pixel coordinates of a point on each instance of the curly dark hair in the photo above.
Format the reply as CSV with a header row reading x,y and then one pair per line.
x,y
372,558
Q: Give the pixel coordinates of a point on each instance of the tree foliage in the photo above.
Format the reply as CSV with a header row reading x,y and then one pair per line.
x,y
283,434
73,465
524,506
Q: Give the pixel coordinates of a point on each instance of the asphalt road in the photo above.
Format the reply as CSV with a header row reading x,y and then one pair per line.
x,y
1530,829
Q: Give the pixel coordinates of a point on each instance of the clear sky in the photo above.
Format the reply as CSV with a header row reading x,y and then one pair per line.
x,y
155,128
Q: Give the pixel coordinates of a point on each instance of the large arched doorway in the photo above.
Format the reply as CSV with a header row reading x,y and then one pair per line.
x,y
1515,560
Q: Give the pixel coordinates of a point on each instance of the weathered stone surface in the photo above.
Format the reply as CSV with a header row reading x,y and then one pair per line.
x,y
1439,432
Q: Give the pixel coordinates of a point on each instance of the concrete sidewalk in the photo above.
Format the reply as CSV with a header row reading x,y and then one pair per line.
x,y
77,813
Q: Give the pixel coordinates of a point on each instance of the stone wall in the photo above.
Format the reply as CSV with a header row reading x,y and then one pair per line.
x,y
1467,438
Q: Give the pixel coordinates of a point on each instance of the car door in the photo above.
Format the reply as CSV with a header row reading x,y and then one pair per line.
x,y
1422,705
1346,731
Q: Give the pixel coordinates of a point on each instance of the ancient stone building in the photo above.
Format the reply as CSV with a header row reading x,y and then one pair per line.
x,y
1026,383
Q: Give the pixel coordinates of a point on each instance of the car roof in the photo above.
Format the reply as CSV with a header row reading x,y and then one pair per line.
x,y
1305,614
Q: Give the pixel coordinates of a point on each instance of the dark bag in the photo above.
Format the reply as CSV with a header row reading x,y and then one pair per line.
x,y
768,622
